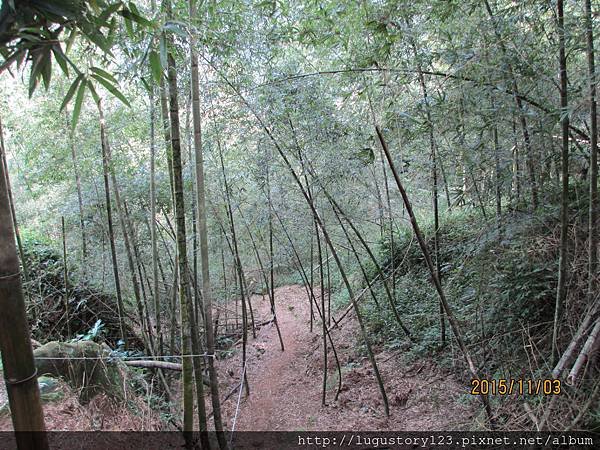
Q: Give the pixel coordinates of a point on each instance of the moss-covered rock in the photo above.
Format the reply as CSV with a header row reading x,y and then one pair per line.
x,y
50,389
85,365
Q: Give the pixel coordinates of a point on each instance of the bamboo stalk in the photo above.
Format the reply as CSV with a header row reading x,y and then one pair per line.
x,y
434,276
15,343
584,355
66,275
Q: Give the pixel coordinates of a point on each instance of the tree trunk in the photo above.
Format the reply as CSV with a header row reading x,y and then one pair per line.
x,y
185,310
436,281
323,318
79,196
164,108
203,231
13,215
140,270
498,179
564,196
244,294
128,251
434,185
111,233
593,209
272,258
173,306
152,223
15,343
521,112
65,275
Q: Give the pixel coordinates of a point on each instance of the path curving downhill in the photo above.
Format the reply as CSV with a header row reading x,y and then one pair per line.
x,y
285,387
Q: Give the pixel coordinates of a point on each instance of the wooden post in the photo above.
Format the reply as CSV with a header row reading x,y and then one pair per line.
x,y
17,355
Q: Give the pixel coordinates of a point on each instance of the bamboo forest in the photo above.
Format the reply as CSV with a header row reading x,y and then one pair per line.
x,y
282,224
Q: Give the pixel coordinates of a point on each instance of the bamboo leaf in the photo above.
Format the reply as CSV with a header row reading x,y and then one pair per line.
x,y
46,69
33,82
71,39
104,74
111,88
162,45
36,69
78,103
136,12
156,66
71,92
93,91
129,27
130,15
60,58
176,28
102,19
99,39
20,57
147,86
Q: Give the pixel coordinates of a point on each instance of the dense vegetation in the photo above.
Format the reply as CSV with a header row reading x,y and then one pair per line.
x,y
430,165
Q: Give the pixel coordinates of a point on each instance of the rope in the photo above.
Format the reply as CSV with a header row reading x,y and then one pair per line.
x,y
109,357
13,382
237,408
12,275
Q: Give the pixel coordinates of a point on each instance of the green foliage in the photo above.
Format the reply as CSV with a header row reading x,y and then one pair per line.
x,y
496,284
31,31
310,80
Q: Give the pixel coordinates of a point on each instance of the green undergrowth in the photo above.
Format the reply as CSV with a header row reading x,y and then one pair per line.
x,y
500,282
497,281
45,290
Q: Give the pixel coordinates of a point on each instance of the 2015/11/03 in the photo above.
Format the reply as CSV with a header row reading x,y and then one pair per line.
x,y
512,386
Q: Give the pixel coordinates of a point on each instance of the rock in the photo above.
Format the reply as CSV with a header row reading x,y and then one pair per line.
x,y
84,365
50,389
47,385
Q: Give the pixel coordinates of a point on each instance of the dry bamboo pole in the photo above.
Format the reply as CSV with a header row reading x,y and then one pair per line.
x,y
584,355
581,332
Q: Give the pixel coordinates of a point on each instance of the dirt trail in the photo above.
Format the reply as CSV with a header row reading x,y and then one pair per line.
x,y
285,387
